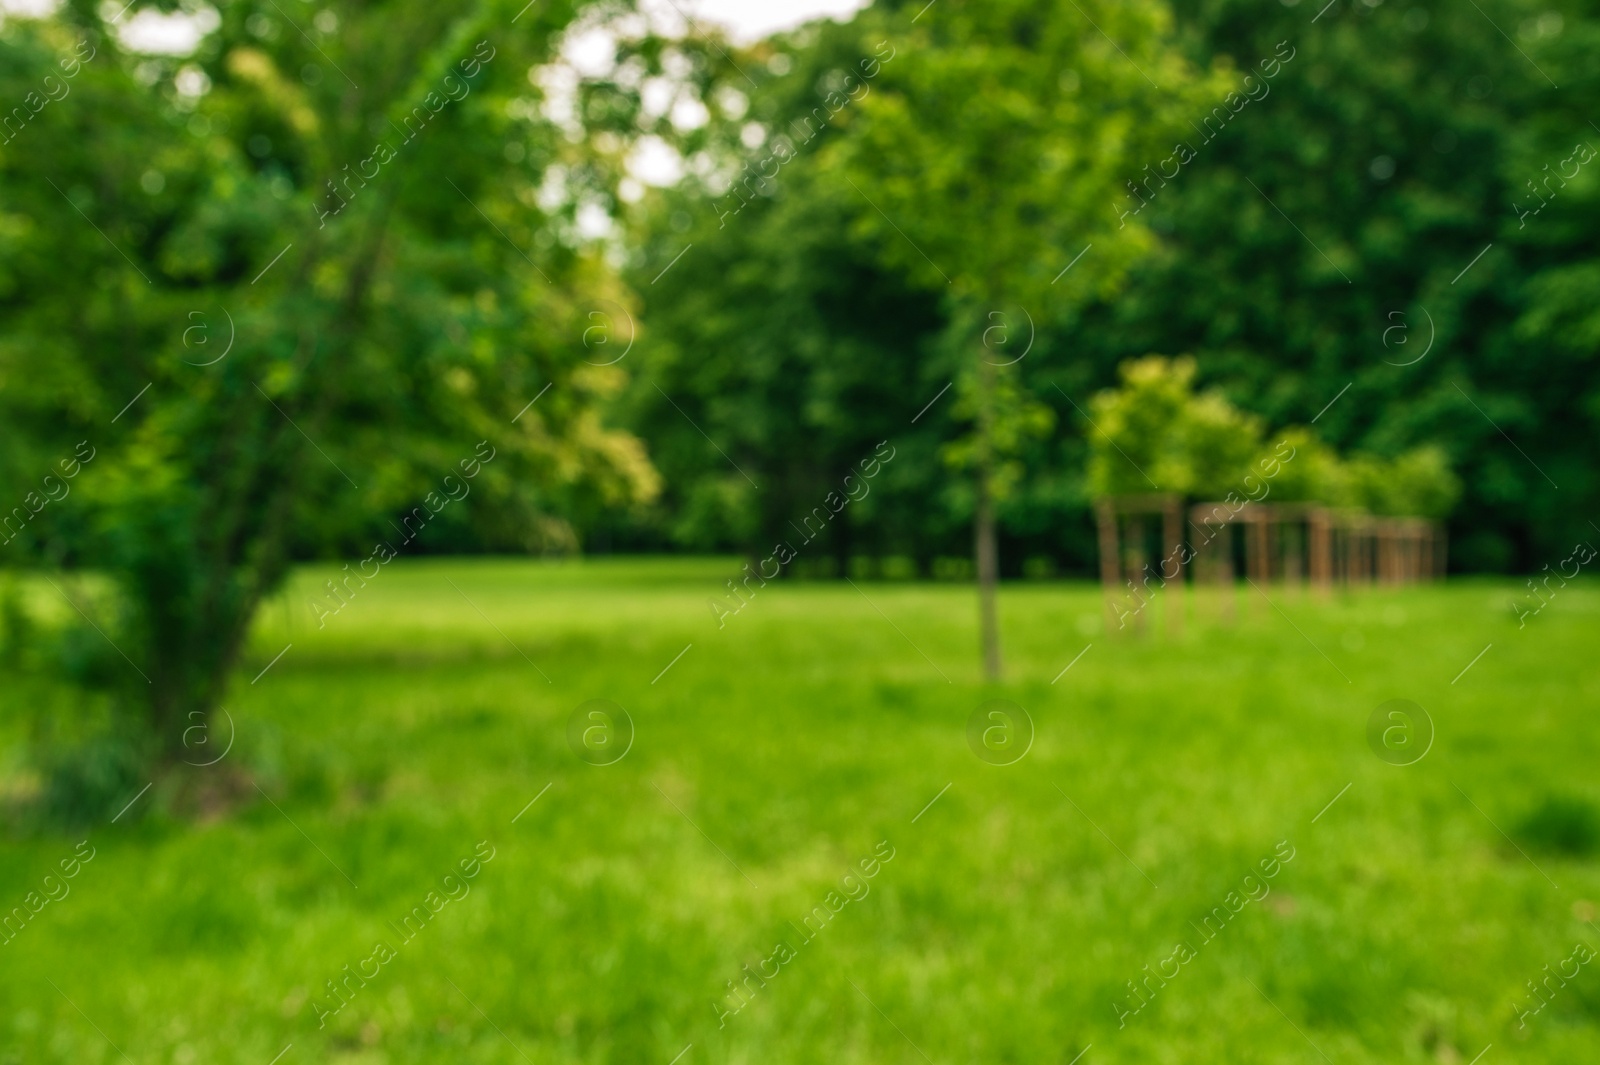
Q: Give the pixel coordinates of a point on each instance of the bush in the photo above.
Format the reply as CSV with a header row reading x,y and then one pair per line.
x,y
1562,825
90,780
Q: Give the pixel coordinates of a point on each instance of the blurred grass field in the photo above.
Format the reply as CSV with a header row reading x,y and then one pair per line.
x,y
779,751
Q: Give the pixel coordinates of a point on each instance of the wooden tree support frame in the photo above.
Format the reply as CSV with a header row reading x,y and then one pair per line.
x,y
1291,543
1282,541
1120,572
1347,546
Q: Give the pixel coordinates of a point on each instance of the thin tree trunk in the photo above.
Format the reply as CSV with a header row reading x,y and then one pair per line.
x,y
983,539
843,541
988,558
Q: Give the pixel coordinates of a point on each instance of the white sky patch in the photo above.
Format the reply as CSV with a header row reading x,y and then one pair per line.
x,y
593,222
553,191
654,162
656,96
145,33
28,8
689,113
731,100
750,20
559,85
591,53
191,81
152,33
745,20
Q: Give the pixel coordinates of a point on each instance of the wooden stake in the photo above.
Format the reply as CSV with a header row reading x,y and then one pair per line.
x,y
1110,561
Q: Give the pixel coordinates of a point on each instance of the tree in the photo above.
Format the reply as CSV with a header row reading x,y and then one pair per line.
x,y
781,340
1156,434
991,150
314,314
1418,483
779,351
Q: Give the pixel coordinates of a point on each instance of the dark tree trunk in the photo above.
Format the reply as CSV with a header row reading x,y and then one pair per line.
x,y
985,549
197,596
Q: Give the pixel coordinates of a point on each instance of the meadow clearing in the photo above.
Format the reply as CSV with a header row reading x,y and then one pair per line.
x,y
1012,913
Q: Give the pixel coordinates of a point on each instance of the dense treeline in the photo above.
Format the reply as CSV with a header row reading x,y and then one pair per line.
x,y
1387,207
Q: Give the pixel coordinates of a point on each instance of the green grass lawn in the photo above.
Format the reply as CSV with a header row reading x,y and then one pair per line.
x,y
777,754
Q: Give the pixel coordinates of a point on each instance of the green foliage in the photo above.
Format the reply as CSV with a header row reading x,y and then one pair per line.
x,y
1310,255
1418,483
1202,446
16,627
778,345
281,309
1136,428
1219,441
937,176
1394,144
1194,445
1312,475
1424,485
999,132
1014,416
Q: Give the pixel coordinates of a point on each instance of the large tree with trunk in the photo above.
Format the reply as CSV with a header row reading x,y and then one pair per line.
x,y
295,291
